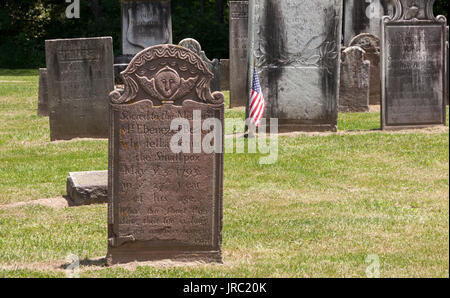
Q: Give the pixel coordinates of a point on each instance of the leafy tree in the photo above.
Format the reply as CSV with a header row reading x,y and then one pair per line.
x,y
26,24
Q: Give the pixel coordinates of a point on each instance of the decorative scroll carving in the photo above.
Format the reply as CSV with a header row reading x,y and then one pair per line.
x,y
167,73
414,10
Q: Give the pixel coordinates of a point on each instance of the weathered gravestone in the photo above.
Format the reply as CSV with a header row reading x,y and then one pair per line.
x,y
413,66
145,23
371,45
165,204
43,93
213,65
87,188
238,52
80,77
355,76
364,16
447,62
224,74
295,47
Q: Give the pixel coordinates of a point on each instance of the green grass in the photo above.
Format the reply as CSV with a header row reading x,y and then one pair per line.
x,y
328,203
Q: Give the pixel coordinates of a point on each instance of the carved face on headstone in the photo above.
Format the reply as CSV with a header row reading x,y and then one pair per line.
x,y
167,82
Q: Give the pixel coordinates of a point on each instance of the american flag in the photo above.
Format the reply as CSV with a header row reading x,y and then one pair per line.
x,y
257,105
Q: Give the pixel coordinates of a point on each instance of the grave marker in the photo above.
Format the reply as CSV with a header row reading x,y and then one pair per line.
x,y
355,76
413,66
295,46
80,77
165,204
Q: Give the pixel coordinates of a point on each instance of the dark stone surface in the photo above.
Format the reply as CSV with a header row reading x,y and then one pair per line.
x,y
87,188
213,65
80,77
123,59
238,52
163,204
364,16
447,61
413,67
371,45
145,23
225,74
43,93
355,76
118,68
296,47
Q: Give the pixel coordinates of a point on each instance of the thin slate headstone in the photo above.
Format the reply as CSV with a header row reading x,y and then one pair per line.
x,y
43,93
225,74
413,67
364,16
371,45
238,52
145,23
355,76
80,77
213,65
165,204
295,47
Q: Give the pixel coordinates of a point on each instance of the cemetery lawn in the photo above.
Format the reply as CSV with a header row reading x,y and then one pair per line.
x,y
329,202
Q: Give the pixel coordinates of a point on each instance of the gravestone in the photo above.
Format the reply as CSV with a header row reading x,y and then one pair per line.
x,y
238,52
355,76
87,188
295,47
447,61
213,65
371,45
80,77
413,67
43,93
364,16
165,204
225,74
145,23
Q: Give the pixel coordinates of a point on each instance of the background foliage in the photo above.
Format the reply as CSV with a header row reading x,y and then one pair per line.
x,y
26,24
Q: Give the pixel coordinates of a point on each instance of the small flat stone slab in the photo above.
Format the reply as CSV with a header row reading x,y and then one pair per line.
x,y
86,188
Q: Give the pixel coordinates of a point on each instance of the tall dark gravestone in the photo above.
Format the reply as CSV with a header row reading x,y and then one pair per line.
x,y
295,47
165,204
80,77
364,16
238,52
145,23
413,66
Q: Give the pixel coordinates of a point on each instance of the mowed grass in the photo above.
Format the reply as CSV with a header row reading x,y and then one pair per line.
x,y
328,203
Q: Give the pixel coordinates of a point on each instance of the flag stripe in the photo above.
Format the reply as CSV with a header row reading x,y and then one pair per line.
x,y
257,104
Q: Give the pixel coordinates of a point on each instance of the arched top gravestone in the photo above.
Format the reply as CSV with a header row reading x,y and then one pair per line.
x,y
368,42
165,203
